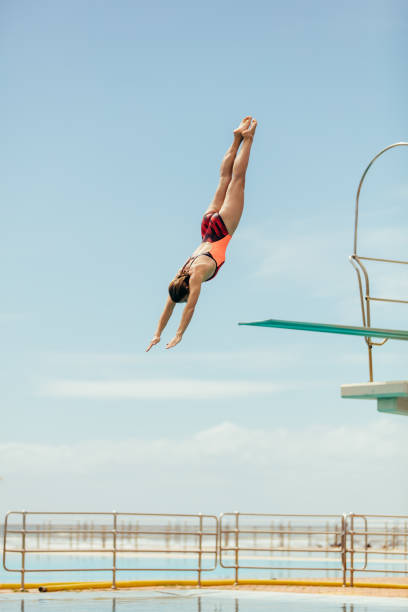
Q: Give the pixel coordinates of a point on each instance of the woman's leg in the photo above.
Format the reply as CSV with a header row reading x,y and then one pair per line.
x,y
226,168
233,206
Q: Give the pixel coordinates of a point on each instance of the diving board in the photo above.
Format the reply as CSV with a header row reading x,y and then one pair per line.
x,y
391,396
348,330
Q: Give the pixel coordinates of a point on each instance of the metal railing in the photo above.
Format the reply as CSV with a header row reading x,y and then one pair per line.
x,y
200,533
349,544
299,538
357,262
346,544
374,539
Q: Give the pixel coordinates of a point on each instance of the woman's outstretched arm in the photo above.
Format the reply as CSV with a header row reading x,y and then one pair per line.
x,y
164,319
195,288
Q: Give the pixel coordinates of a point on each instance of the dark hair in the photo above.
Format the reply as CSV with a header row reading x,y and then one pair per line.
x,y
179,287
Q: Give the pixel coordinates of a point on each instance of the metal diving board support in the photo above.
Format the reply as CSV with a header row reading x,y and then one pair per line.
x,y
347,330
366,298
356,260
391,396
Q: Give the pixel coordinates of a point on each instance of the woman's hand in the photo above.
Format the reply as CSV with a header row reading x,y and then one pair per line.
x,y
155,340
177,338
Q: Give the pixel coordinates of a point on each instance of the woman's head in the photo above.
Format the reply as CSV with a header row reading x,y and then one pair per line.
x,y
179,288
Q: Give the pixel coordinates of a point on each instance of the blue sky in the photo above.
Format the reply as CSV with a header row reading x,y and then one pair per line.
x,y
115,119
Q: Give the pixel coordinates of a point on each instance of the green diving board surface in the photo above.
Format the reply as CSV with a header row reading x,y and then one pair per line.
x,y
348,330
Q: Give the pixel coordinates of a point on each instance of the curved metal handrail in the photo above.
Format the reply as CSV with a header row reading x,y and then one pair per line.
x,y
361,271
392,146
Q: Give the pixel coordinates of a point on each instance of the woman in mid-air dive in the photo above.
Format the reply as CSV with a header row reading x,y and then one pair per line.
x,y
218,225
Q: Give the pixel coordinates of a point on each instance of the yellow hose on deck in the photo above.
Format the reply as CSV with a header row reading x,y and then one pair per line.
x,y
123,584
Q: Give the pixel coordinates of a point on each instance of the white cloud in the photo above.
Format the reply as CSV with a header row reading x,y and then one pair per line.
x,y
222,468
160,388
238,446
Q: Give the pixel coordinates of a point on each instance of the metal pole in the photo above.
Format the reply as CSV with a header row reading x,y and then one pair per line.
x,y
352,550
5,539
370,362
236,546
396,144
114,538
344,548
200,548
356,215
23,548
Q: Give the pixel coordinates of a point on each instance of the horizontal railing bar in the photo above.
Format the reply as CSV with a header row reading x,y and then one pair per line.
x,y
118,514
57,530
103,569
312,550
108,532
291,533
21,512
390,516
363,551
376,299
241,514
280,567
383,533
397,261
334,550
382,571
165,569
167,533
118,569
38,551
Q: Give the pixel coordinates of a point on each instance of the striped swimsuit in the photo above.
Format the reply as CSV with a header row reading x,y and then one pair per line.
x,y
213,230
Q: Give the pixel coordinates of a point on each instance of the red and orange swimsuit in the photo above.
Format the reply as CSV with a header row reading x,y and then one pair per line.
x,y
212,230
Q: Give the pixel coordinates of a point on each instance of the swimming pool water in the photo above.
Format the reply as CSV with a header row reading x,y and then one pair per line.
x,y
330,568
194,601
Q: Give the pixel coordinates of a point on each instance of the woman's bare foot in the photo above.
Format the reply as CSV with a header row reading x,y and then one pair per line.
x,y
244,125
250,130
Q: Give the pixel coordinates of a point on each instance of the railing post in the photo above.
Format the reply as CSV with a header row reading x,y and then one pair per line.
x,y
217,541
343,544
236,546
23,548
200,548
365,542
114,540
5,539
351,570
